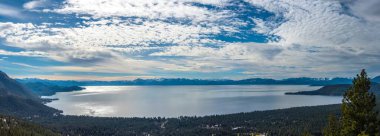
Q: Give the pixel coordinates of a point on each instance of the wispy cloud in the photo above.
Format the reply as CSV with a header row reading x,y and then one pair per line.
x,y
31,5
25,65
9,11
367,10
24,53
153,9
268,38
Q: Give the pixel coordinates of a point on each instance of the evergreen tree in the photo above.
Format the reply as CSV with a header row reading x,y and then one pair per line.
x,y
306,133
333,127
358,115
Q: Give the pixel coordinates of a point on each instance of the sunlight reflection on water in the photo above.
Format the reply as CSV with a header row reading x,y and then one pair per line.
x,y
174,101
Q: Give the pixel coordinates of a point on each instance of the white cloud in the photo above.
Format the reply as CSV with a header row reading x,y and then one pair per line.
x,y
115,37
121,65
9,11
23,53
320,23
261,26
369,9
227,57
121,34
103,46
35,4
94,41
321,38
153,9
317,38
235,51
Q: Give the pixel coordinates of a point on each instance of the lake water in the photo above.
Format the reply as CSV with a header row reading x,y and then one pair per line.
x,y
174,101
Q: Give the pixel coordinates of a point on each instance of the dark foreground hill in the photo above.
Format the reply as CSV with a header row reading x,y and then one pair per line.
x,y
25,108
17,100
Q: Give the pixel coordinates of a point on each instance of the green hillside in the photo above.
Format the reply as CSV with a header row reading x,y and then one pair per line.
x,y
10,126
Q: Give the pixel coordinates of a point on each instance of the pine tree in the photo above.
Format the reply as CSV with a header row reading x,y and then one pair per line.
x,y
358,115
333,127
306,133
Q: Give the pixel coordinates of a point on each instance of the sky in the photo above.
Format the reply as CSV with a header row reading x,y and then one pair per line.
x,y
202,39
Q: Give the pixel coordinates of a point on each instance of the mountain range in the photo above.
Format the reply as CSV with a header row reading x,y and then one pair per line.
x,y
184,81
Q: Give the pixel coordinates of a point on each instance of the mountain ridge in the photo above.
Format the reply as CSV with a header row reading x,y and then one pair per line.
x,y
17,100
185,81
335,90
9,86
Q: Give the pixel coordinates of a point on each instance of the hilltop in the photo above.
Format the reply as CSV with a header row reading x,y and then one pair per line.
x,y
335,90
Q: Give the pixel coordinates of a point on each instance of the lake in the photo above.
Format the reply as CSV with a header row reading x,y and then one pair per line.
x,y
175,101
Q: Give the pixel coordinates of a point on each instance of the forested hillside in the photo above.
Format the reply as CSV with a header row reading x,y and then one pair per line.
x,y
17,100
293,121
10,126
45,89
334,90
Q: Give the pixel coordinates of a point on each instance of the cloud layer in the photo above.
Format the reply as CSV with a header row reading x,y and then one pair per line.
x,y
170,38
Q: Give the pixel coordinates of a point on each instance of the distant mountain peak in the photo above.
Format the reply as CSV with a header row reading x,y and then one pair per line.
x,y
376,79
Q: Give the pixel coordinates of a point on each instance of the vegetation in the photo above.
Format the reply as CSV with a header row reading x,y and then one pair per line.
x,y
26,108
10,126
333,127
359,116
284,122
335,90
331,90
